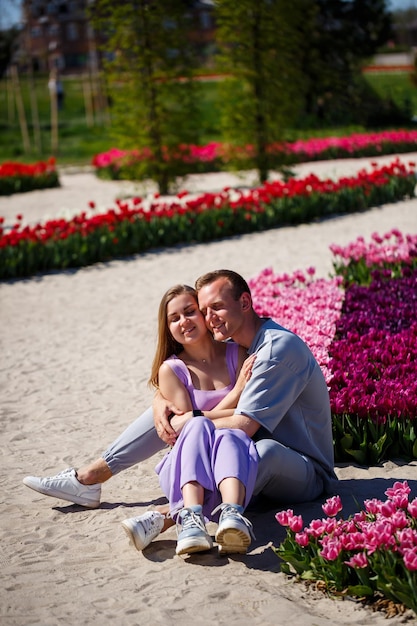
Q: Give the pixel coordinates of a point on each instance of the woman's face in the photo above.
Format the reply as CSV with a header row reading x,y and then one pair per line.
x,y
184,320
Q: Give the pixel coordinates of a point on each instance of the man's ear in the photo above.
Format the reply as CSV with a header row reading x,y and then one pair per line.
x,y
246,301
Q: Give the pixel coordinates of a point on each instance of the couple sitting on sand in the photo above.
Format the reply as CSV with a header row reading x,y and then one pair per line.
x,y
239,426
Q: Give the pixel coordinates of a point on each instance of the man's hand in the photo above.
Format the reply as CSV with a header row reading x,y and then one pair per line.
x,y
163,411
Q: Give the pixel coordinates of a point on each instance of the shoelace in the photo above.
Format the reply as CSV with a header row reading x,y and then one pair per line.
x,y
64,472
148,523
227,510
189,519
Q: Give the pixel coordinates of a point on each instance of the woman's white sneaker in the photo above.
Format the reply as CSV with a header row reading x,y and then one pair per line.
x,y
193,536
143,529
66,486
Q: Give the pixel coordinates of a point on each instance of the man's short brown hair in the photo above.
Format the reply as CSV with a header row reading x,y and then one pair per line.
x,y
237,283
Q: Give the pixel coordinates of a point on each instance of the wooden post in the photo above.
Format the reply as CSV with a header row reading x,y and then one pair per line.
x,y
105,99
35,111
89,113
94,97
54,112
20,109
102,99
11,106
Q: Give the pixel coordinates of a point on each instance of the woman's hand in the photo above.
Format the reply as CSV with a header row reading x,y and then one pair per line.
x,y
163,413
245,373
178,421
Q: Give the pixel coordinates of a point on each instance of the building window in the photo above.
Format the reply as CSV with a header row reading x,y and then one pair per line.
x,y
38,8
205,20
72,31
36,32
53,30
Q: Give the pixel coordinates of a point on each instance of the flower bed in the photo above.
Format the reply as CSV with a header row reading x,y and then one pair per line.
x,y
356,145
391,252
132,227
309,307
372,552
373,388
19,177
118,164
364,337
126,164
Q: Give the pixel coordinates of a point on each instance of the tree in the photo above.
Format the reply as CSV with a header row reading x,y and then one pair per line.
x,y
260,43
403,26
344,34
8,45
148,59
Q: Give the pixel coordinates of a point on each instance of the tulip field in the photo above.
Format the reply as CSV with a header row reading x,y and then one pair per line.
x,y
368,555
363,333
215,156
360,323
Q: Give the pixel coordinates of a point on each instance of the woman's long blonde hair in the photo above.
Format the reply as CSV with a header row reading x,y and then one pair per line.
x,y
166,344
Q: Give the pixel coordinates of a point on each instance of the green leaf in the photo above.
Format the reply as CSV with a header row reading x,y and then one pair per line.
x,y
360,590
377,449
358,455
309,575
285,569
346,442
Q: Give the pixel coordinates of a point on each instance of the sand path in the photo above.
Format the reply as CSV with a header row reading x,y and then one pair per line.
x,y
76,348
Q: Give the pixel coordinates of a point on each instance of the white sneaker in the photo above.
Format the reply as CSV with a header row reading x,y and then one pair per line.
x,y
193,536
235,531
143,529
66,486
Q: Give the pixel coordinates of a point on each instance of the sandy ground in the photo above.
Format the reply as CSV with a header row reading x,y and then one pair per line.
x,y
76,349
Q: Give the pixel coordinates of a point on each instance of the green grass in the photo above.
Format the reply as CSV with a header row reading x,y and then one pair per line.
x,y
396,86
78,142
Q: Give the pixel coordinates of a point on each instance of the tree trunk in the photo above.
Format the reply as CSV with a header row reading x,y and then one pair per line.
x,y
260,118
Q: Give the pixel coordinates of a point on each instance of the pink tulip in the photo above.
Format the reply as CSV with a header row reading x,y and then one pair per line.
x,y
359,560
332,506
316,528
331,548
410,559
407,539
373,506
398,489
296,523
283,517
399,519
378,535
353,541
302,539
388,508
412,507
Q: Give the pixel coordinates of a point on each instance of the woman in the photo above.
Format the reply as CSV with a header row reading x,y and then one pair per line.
x,y
208,470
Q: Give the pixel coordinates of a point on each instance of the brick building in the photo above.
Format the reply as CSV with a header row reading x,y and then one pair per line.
x,y
56,35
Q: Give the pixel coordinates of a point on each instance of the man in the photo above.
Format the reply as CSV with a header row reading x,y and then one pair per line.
x,y
285,404
284,407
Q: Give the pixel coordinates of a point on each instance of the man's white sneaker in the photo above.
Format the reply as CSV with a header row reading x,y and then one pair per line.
x,y
143,529
66,486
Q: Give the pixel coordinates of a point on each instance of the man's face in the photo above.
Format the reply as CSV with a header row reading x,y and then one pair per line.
x,y
222,313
